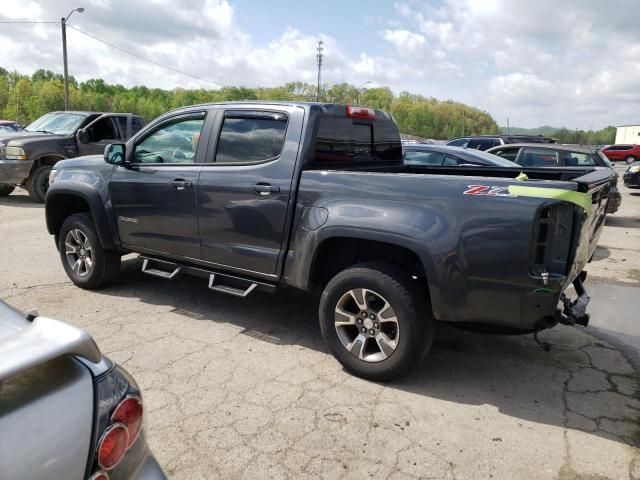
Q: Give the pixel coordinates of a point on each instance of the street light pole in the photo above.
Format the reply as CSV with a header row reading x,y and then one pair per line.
x,y
358,91
63,26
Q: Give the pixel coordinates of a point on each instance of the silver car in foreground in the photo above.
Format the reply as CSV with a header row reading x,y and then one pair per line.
x,y
66,412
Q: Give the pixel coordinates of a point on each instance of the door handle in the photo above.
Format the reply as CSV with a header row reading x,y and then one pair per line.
x,y
180,184
265,188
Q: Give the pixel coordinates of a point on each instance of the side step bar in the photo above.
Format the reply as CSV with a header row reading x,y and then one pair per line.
x,y
157,272
218,282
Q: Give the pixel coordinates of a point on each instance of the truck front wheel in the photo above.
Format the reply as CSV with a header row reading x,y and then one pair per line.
x,y
38,183
376,321
87,264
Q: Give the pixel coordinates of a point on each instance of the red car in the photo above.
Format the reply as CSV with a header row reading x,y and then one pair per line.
x,y
628,153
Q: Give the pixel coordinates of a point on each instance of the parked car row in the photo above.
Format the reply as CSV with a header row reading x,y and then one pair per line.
x,y
518,155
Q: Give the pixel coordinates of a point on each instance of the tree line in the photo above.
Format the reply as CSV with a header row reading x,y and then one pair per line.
x,y
24,98
606,136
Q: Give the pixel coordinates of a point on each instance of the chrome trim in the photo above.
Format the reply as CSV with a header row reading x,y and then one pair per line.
x,y
104,434
127,397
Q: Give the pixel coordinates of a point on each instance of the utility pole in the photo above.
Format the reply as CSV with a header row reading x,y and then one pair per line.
x,y
63,26
508,129
320,43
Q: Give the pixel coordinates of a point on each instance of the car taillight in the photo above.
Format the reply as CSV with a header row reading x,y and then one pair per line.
x,y
129,413
361,112
113,446
100,476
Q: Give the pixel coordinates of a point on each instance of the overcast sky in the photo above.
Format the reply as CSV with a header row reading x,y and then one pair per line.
x,y
573,63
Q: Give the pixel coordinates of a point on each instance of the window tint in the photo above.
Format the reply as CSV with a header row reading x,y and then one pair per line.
x,y
415,157
481,143
173,142
539,157
507,153
343,139
452,161
102,130
251,139
136,125
459,142
579,159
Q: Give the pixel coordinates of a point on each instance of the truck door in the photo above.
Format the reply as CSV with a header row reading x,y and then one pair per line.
x,y
154,193
92,139
246,187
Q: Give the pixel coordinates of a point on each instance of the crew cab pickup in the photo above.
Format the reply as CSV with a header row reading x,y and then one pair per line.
x,y
27,156
257,196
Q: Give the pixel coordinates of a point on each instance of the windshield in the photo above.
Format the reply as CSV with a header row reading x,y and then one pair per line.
x,y
59,123
604,158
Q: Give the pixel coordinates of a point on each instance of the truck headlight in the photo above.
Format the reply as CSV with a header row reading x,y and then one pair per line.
x,y
634,169
52,176
14,153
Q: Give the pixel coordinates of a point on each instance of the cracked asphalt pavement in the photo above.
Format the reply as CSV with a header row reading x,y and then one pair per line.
x,y
245,388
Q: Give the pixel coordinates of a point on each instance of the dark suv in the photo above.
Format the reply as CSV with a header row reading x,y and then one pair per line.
x,y
485,142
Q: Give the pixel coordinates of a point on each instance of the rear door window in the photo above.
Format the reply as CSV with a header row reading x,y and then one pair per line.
x,y
579,159
247,137
481,143
459,142
507,153
416,157
539,157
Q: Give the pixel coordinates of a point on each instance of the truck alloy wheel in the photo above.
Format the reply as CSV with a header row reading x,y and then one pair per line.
x,y
366,325
376,320
78,252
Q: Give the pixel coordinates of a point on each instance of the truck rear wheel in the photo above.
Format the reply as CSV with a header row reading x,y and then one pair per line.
x,y
38,183
6,189
376,321
87,264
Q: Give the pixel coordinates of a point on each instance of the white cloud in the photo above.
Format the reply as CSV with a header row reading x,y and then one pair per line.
x,y
572,63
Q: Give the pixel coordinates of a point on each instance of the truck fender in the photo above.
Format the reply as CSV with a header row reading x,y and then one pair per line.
x,y
55,214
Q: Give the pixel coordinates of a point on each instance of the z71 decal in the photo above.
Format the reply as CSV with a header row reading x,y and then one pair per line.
x,y
488,190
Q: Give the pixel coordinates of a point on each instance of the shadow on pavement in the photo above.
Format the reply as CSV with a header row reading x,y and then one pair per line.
x,y
624,222
562,388
23,201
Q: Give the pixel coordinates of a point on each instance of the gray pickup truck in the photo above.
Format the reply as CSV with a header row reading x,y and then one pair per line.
x,y
27,156
257,196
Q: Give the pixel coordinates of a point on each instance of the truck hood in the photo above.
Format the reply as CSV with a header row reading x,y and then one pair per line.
x,y
26,343
19,139
91,161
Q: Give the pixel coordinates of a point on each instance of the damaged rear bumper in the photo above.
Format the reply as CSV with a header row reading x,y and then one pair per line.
x,y
574,311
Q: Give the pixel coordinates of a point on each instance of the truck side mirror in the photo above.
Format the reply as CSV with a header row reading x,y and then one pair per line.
x,y
114,153
82,136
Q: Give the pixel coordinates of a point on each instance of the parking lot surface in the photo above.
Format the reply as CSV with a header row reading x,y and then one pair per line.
x,y
245,389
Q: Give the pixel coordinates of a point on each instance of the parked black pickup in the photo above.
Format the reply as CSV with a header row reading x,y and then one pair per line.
x,y
27,156
255,196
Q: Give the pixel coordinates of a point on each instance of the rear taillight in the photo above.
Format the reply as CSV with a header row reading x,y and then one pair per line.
x,y
129,413
361,112
112,446
119,420
99,476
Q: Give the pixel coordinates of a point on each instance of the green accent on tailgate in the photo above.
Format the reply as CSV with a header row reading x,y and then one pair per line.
x,y
581,199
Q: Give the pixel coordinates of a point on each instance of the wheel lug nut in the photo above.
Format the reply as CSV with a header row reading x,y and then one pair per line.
x,y
359,320
372,316
364,314
371,332
363,330
375,325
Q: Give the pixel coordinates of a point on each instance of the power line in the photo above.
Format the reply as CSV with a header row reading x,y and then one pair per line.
x,y
144,58
28,22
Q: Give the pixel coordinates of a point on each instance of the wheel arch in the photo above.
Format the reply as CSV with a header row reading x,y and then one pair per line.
x,y
64,200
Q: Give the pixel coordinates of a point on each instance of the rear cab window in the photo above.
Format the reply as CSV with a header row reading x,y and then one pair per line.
x,y
507,153
579,159
344,140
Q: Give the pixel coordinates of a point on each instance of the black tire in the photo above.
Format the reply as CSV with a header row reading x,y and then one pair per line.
x,y
630,159
6,189
105,263
416,325
38,183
